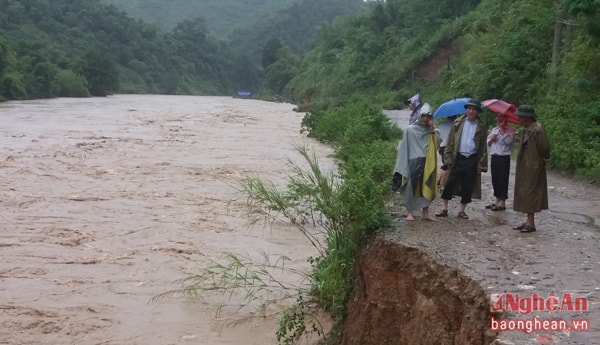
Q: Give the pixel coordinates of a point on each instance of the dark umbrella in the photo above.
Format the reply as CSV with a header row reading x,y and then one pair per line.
x,y
450,108
502,107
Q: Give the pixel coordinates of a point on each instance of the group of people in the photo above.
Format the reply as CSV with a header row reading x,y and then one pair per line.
x,y
464,148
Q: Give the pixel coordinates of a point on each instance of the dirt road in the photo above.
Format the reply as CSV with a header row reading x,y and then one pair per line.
x,y
105,202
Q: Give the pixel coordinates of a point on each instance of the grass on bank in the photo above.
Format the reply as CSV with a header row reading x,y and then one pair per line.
x,y
348,206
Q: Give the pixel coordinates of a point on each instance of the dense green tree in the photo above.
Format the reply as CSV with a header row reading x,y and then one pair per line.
x,y
270,51
12,86
5,53
100,71
70,84
279,73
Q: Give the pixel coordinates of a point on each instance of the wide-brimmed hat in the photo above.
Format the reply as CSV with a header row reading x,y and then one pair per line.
x,y
526,111
473,103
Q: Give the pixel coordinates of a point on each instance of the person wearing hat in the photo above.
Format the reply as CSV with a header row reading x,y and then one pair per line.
x,y
465,157
531,185
416,164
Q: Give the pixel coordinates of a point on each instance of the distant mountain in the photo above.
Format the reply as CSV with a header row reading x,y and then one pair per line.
x,y
246,24
222,16
294,26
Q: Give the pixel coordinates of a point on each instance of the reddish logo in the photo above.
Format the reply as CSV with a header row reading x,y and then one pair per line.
x,y
526,304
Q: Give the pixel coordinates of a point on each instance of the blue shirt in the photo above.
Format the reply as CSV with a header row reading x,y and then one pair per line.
x,y
467,139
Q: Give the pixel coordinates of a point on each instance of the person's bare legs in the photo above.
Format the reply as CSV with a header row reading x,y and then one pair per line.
x,y
410,217
444,211
531,219
440,178
461,211
529,225
426,215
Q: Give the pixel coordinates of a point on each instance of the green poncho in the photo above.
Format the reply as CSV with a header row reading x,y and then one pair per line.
x,y
417,163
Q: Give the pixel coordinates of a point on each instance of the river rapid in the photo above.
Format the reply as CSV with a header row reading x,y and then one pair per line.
x,y
106,202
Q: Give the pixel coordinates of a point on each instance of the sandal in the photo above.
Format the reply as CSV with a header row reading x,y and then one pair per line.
x,y
442,213
490,206
520,227
498,208
462,215
528,228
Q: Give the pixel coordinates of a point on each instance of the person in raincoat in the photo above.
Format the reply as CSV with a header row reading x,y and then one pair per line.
x,y
414,104
465,157
531,185
416,164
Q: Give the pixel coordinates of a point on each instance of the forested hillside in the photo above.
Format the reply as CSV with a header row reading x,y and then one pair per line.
x,y
247,25
82,47
295,26
222,16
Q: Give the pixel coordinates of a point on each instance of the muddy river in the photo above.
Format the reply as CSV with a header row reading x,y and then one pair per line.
x,y
106,202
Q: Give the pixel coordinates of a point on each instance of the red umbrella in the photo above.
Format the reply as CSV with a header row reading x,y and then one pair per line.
x,y
502,107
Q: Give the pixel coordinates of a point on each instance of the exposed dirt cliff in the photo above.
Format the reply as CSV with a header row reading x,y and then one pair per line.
x,y
403,296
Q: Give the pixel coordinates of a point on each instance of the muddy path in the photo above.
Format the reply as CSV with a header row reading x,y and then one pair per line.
x,y
562,257
105,202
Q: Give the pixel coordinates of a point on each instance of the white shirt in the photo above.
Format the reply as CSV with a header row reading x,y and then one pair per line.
x,y
504,143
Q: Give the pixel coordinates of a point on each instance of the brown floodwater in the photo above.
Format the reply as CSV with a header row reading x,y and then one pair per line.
x,y
106,202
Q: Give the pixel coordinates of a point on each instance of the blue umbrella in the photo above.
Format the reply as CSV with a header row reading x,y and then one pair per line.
x,y
452,107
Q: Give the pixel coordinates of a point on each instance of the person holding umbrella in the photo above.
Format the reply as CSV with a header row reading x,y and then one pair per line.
x,y
416,164
531,185
500,142
465,157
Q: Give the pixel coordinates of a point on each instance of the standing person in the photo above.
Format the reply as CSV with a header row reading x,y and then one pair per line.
x,y
414,104
444,128
465,156
417,164
531,186
500,142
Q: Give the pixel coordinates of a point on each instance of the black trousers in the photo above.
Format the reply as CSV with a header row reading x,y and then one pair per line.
x,y
463,172
500,169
